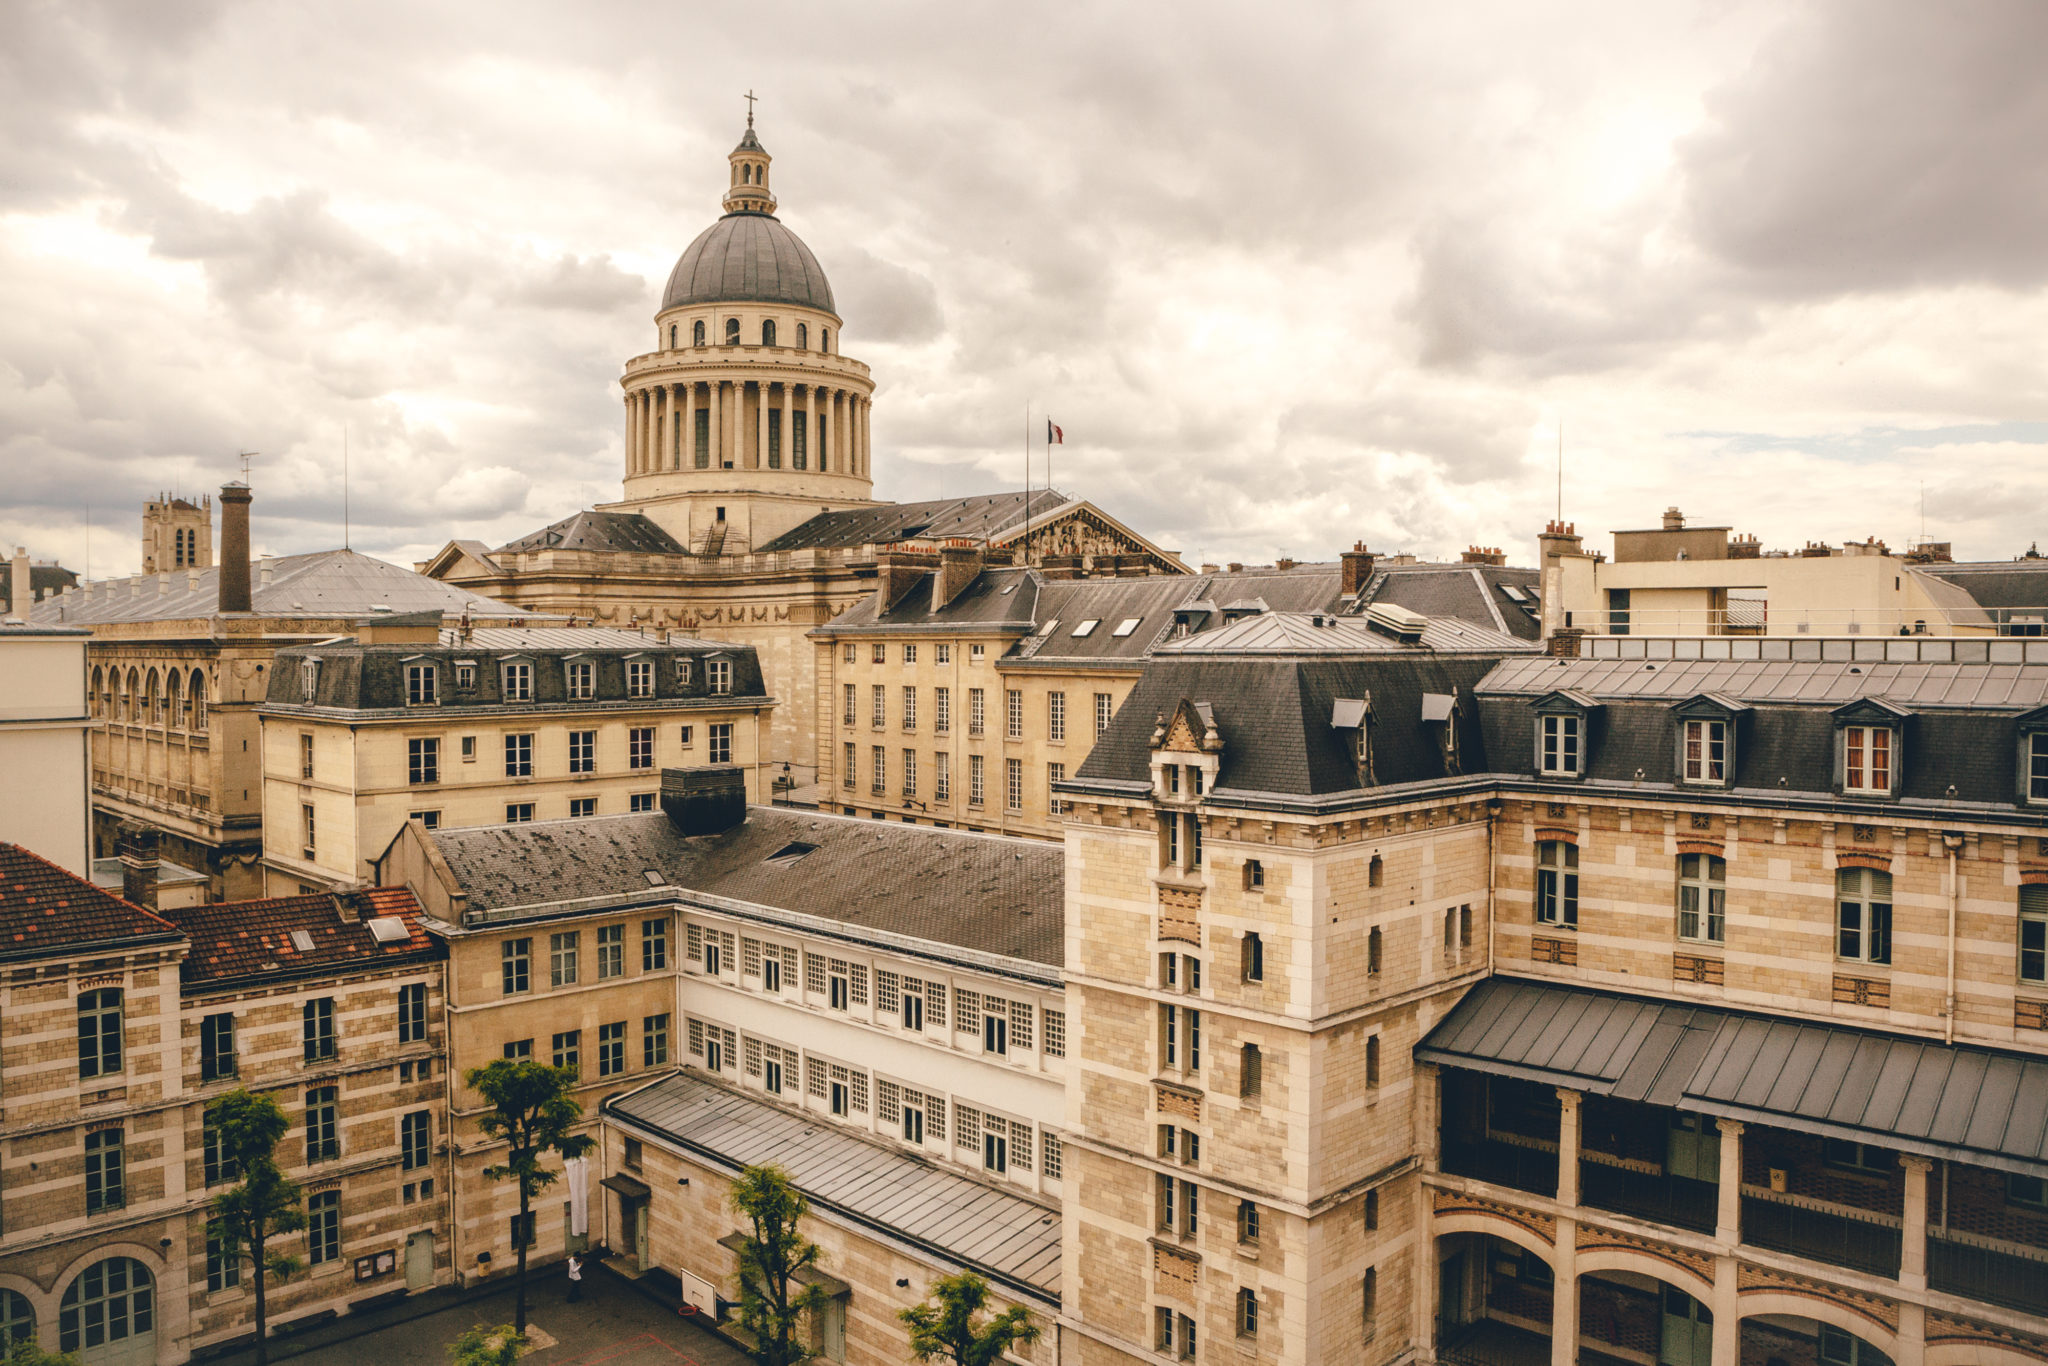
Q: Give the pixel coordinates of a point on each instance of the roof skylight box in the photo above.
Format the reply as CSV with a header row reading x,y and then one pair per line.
x,y
388,929
1126,626
302,940
790,853
1087,627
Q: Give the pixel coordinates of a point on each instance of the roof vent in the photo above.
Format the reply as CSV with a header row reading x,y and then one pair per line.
x,y
790,853
1397,622
388,929
302,940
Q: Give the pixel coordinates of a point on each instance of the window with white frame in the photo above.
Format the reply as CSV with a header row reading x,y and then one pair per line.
x,y
2033,930
1014,713
1054,775
718,742
1013,774
977,708
909,707
942,711
1560,737
942,654
975,780
1702,898
878,708
518,678
581,679
639,678
847,762
583,751
910,773
1867,760
878,779
910,654
1105,709
519,755
718,672
640,747
848,695
419,685
942,777
1557,883
1056,716
1863,915
1703,751
2034,765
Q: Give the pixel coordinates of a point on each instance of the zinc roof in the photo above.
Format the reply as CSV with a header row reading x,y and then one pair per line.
x,y
606,531
983,515
1001,1233
1917,685
1298,633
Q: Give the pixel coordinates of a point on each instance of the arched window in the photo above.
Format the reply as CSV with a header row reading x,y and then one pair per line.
x,y
825,339
17,1319
803,336
768,332
175,688
672,333
152,706
732,331
99,708
198,700
697,333
110,1301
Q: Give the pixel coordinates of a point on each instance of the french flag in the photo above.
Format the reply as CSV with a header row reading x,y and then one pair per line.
x,y
1054,436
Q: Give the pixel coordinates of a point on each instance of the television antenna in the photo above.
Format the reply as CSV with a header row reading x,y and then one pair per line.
x,y
245,457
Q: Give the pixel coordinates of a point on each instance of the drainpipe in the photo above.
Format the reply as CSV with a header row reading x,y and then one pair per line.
x,y
1495,809
1952,841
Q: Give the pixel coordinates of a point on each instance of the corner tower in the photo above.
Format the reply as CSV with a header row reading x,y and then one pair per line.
x,y
746,419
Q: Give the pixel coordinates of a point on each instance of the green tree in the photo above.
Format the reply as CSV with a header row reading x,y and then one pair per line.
x,y
25,1353
263,1203
533,1113
942,1328
774,1299
482,1346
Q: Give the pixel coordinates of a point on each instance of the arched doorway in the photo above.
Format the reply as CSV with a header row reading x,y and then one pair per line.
x,y
109,1314
1794,1340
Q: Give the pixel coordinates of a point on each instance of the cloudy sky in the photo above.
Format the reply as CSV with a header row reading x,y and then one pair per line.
x,y
1289,277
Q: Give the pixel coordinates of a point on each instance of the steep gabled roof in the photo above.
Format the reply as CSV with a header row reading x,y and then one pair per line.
x,y
47,911
984,516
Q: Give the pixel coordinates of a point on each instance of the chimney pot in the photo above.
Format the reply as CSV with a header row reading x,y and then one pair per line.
x,y
704,801
20,576
1674,520
137,845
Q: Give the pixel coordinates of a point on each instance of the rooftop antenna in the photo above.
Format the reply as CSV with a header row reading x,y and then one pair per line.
x,y
245,457
344,486
1560,469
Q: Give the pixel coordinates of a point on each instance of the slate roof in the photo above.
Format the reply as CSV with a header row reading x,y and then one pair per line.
x,y
43,580
1274,716
984,515
999,895
324,583
233,941
46,911
1469,592
1978,1104
1109,603
1000,599
356,677
1305,633
601,531
748,257
1962,731
2004,588
1002,1233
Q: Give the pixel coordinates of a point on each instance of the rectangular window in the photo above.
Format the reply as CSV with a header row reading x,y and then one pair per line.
x,y
611,951
1014,713
1559,750
469,749
305,756
1618,611
878,778
654,945
849,759
1105,708
848,696
1055,774
522,1226
105,1171
583,751
568,1050
518,813
878,653
518,682
2037,766
942,711
223,1263
581,678
317,1022
1557,883
423,761
2034,934
415,1140
910,654
1056,716
654,1041
412,1013
1252,957
910,773
217,1046
419,685
639,678
515,965
307,831
640,747
977,706
942,777
580,807
323,1228
1705,754
975,783
683,671
878,709
519,756
519,1050
1013,777
638,802
683,734
219,1167
562,954
942,654
1863,900
1867,760
611,1048
99,1032
429,820
323,1124
909,708
1702,898
718,672
465,674
718,742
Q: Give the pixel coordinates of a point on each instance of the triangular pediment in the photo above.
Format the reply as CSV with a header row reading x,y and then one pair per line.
x,y
1190,730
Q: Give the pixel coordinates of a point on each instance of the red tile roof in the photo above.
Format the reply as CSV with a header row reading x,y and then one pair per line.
x,y
46,910
237,939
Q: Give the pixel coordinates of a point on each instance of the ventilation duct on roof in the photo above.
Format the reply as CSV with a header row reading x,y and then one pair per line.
x,y
1396,622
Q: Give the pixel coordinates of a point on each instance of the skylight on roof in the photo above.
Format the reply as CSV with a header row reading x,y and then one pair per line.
x,y
1126,626
655,877
1049,627
388,929
1513,592
302,940
1087,627
790,853
1010,587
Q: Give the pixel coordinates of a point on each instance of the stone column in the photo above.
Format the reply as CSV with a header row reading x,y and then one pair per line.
x,y
811,425
631,468
1728,1220
867,447
860,430
788,426
760,424
718,442
666,427
1429,1102
686,443
1564,1300
842,426
1913,1238
1727,1307
646,430
1912,1335
1567,1147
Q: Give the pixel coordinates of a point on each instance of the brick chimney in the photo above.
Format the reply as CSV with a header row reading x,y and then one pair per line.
x,y
1744,548
959,565
22,593
898,569
1061,567
1674,520
137,844
234,547
1357,569
1483,554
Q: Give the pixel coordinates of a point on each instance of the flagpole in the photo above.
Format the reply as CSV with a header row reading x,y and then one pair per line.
x,y
1027,479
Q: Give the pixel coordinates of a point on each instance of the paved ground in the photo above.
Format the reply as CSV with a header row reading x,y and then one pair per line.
x,y
614,1325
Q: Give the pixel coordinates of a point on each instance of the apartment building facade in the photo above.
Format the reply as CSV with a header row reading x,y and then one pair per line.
x,y
479,727
44,730
118,1026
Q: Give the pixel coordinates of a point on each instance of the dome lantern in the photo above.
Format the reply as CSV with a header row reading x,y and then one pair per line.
x,y
748,192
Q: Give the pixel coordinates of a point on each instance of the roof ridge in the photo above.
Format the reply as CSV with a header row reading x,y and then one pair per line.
x,y
89,885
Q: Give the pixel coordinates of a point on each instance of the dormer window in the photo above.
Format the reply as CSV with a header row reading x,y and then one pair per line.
x,y
309,678
1703,752
419,686
718,672
1442,709
518,682
639,678
1353,715
1867,760
581,676
683,672
465,673
1560,741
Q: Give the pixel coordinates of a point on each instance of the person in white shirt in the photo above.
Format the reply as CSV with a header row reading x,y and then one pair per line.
x,y
575,1278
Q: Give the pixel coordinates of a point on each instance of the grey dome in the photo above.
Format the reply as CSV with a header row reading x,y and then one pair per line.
x,y
748,258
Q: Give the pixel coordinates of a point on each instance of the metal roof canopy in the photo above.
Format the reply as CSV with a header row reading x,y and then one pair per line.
x,y
1971,1104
